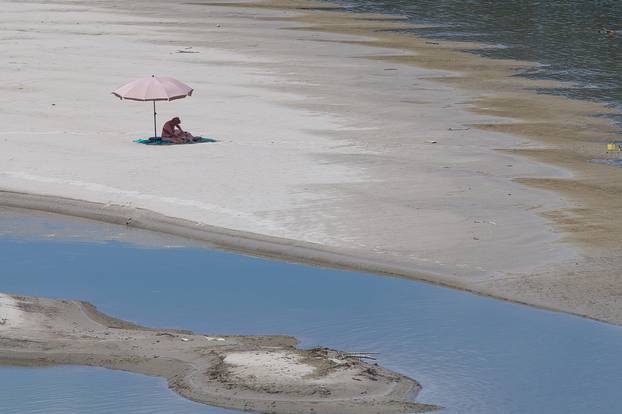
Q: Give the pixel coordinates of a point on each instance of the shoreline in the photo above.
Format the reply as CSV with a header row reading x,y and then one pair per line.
x,y
250,244
572,132
248,373
364,188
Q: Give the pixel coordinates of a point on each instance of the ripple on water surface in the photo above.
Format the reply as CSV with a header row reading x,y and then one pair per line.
x,y
562,35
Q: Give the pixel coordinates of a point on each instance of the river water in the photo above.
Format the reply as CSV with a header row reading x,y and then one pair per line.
x,y
471,354
561,35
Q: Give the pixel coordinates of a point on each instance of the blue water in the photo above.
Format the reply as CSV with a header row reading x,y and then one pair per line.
x,y
69,390
471,354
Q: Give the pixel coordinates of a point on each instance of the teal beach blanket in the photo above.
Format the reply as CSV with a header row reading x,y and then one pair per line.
x,y
160,141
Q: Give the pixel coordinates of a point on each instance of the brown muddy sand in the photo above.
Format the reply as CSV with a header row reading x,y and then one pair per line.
x,y
251,373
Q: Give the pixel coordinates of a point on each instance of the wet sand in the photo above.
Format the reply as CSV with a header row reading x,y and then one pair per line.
x,y
338,142
250,373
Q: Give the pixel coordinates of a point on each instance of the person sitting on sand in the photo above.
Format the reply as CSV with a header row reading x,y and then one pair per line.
x,y
171,131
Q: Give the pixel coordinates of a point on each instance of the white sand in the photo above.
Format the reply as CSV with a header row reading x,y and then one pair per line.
x,y
314,143
277,366
10,314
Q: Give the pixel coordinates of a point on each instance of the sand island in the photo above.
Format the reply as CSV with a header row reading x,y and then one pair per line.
x,y
249,373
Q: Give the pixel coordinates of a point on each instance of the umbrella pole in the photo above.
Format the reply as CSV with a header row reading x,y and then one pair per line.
x,y
155,128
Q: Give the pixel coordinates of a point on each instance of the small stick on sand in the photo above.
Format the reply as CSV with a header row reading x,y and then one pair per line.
x,y
362,357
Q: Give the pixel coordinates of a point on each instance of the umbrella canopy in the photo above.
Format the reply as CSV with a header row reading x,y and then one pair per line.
x,y
154,88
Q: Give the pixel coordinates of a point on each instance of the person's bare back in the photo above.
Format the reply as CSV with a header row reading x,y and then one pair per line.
x,y
171,131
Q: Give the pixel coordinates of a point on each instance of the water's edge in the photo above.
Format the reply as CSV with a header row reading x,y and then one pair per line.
x,y
251,244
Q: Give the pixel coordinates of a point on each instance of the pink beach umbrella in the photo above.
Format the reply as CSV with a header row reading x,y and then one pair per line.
x,y
154,89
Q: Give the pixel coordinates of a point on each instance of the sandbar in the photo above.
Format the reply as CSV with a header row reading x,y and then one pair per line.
x,y
249,373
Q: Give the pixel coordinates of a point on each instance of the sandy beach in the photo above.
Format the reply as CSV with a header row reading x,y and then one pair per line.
x,y
336,145
249,373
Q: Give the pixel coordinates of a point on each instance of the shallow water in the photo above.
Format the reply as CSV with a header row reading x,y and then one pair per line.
x,y
69,390
562,35
471,354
